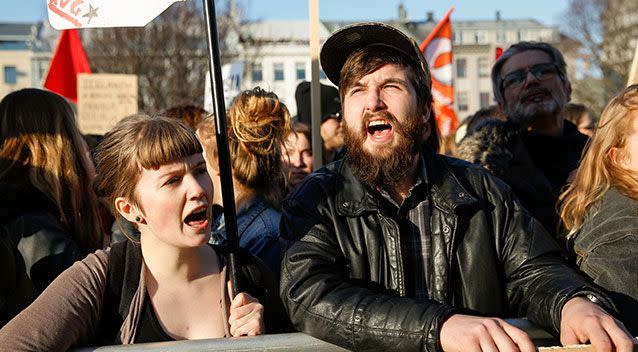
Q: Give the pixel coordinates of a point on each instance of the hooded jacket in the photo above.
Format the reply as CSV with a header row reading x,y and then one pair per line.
x,y
343,280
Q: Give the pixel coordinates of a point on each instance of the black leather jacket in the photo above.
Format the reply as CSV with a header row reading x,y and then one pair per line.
x,y
343,279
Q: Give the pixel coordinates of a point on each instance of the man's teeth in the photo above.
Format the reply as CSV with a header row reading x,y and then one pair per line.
x,y
377,123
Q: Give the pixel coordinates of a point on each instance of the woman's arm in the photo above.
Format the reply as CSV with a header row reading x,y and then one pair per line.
x,y
66,313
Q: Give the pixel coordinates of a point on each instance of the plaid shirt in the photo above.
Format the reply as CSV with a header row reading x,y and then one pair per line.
x,y
413,218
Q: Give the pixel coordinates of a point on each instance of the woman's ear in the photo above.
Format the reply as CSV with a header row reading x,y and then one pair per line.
x,y
616,156
128,210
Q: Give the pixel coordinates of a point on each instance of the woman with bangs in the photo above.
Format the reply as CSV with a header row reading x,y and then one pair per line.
x,y
258,126
49,213
171,285
599,210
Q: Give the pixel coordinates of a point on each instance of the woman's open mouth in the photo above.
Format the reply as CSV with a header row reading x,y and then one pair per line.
x,y
198,219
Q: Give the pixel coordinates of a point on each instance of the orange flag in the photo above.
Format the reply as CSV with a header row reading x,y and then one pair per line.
x,y
69,60
437,49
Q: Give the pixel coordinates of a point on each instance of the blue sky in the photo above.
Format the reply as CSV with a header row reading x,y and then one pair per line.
x,y
546,11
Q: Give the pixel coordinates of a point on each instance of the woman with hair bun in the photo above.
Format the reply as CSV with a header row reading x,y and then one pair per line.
x,y
599,210
258,125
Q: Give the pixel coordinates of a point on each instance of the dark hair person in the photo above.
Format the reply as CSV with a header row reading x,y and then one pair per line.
x,y
48,211
599,210
297,154
171,285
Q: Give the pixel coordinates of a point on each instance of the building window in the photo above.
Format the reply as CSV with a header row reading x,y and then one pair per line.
x,y
483,67
10,75
500,36
300,70
278,71
460,68
462,101
480,37
485,99
255,73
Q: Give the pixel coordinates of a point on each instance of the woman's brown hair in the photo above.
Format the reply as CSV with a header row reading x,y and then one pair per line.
x,y
139,142
40,144
259,124
599,170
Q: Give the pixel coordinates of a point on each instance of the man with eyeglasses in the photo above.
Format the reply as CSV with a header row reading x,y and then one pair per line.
x,y
535,151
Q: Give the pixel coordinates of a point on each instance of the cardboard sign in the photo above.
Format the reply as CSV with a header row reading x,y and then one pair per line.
x,y
104,99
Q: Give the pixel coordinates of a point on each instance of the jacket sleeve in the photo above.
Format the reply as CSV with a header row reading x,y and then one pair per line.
x,y
47,249
66,313
323,301
539,280
611,263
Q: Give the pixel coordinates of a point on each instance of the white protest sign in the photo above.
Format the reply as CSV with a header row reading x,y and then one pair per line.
x,y
231,77
104,99
67,14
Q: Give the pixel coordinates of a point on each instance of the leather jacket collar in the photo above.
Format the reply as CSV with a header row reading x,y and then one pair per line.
x,y
354,198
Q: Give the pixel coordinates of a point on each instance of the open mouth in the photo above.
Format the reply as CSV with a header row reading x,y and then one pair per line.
x,y
535,97
198,218
379,130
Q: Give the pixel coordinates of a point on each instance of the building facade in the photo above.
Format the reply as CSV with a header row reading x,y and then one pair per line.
x,y
24,56
277,55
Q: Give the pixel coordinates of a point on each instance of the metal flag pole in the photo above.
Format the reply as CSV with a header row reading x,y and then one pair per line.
x,y
315,85
226,176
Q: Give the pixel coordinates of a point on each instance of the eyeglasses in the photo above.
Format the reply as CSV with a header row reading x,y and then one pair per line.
x,y
541,72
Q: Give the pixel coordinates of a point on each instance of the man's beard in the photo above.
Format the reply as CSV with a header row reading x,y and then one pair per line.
x,y
525,114
390,163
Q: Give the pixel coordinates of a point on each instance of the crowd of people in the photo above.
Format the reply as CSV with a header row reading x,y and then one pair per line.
x,y
389,246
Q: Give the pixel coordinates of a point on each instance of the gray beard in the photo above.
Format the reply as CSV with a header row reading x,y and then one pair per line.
x,y
390,165
526,114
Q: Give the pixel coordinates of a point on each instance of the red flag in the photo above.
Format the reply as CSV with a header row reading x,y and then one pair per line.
x,y
437,49
69,60
498,52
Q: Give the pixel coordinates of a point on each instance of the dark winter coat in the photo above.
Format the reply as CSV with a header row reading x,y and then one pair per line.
x,y
535,166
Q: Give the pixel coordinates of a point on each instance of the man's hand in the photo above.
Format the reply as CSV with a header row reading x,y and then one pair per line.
x,y
583,321
469,333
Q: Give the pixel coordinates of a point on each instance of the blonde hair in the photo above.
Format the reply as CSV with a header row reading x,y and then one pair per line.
x,y
139,142
40,144
598,171
258,125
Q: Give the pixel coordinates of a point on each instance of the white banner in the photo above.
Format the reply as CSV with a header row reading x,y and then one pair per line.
x,y
67,14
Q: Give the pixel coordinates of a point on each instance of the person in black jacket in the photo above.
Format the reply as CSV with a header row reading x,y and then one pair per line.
x,y
49,212
398,248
